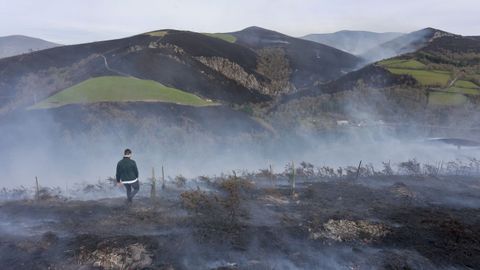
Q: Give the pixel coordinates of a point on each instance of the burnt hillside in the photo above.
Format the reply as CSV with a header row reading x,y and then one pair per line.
x,y
181,60
311,63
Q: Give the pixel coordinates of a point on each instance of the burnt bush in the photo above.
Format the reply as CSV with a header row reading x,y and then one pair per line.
x,y
431,170
49,194
329,172
306,170
180,181
387,169
235,188
410,167
218,207
265,173
199,202
16,193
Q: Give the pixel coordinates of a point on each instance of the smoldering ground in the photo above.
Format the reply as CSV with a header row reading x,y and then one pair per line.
x,y
382,219
419,214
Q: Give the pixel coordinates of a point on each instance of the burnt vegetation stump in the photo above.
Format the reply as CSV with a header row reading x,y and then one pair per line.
x,y
37,189
163,178
153,191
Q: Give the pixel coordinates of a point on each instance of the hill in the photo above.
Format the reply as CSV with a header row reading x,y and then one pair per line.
x,y
17,44
246,72
404,44
436,88
119,89
354,42
307,63
234,68
447,67
195,63
445,62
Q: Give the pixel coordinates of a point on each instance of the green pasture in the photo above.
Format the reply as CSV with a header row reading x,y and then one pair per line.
x,y
120,89
226,37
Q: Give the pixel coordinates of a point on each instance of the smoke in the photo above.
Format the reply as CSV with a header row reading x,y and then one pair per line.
x,y
354,42
37,145
398,46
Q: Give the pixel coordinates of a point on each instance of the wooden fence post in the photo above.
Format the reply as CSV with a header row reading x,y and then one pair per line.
x,y
358,170
37,189
163,178
293,177
153,191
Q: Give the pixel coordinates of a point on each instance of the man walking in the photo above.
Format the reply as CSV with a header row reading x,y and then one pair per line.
x,y
127,174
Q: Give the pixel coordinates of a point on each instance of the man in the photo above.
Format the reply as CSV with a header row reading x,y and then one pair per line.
x,y
127,174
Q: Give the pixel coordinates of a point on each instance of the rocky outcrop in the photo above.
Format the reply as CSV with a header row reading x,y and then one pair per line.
x,y
233,71
168,46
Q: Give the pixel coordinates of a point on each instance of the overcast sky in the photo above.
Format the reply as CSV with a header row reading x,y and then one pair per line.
x,y
69,21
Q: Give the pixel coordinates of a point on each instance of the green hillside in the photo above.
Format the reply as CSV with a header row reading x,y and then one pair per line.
x,y
226,37
425,77
402,63
450,90
157,33
446,99
120,89
418,71
464,87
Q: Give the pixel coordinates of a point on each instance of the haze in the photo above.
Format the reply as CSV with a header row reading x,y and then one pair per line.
x,y
70,22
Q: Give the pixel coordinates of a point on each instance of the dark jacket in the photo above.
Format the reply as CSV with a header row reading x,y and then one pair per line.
x,y
126,170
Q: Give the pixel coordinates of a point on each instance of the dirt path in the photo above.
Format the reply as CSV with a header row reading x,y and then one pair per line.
x,y
107,66
452,82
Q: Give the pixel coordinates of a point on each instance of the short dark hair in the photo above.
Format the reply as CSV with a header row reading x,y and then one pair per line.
x,y
127,152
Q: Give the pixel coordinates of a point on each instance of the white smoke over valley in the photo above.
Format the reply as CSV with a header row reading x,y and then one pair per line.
x,y
61,157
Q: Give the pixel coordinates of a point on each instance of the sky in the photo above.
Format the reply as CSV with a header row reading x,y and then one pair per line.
x,y
70,22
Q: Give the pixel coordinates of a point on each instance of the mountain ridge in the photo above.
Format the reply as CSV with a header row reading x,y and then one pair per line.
x,y
352,41
13,45
404,44
229,72
258,73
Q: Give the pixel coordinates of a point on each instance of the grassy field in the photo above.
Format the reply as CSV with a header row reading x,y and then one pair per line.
x,y
446,99
466,84
461,90
120,89
402,63
425,77
464,87
226,37
418,71
157,33
452,96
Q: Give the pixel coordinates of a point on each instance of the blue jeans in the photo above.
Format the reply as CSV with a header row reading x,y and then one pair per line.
x,y
130,193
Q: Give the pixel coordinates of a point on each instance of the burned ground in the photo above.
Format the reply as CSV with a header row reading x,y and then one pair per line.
x,y
253,222
311,62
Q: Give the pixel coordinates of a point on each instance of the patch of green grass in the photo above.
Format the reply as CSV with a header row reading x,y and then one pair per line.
x,y
157,33
466,84
446,99
402,63
417,70
226,37
461,90
425,77
120,89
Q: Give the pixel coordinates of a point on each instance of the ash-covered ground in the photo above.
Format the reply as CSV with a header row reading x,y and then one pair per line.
x,y
410,217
